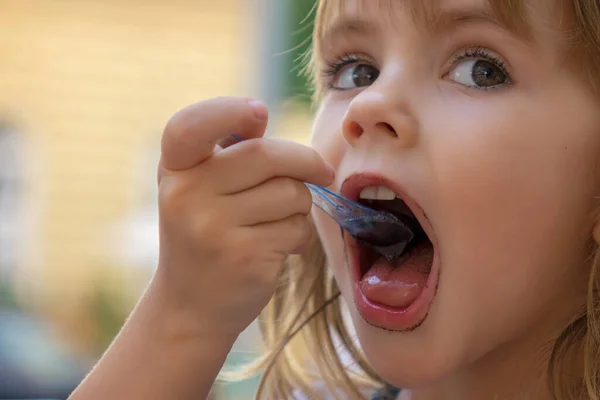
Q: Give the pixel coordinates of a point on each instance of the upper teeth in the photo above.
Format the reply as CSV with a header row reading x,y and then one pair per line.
x,y
377,193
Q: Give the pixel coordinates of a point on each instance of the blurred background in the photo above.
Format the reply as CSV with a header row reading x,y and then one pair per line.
x,y
86,87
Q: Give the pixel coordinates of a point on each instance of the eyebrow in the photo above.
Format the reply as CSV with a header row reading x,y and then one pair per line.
x,y
453,18
442,22
344,26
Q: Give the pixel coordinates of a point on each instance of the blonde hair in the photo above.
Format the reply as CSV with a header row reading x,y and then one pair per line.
x,y
303,327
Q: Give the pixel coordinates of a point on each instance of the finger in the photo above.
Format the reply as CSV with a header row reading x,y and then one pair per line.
x,y
252,162
286,236
192,133
274,200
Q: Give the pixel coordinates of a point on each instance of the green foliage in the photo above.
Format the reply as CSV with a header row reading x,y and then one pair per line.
x,y
108,310
301,26
8,299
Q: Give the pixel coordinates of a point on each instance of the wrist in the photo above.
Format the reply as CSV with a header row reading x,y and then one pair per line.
x,y
160,353
175,321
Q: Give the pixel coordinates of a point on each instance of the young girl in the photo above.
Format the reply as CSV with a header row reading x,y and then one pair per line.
x,y
479,122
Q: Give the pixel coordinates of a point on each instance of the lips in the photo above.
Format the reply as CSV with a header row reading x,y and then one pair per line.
x,y
376,299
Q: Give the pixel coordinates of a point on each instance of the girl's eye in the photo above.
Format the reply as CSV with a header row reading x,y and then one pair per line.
x,y
479,73
355,75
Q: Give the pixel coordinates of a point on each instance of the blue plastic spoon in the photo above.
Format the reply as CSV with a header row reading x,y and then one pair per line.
x,y
380,230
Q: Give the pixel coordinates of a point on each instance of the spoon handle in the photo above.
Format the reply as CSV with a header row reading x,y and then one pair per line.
x,y
344,211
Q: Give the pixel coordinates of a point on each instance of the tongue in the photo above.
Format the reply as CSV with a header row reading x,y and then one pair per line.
x,y
397,284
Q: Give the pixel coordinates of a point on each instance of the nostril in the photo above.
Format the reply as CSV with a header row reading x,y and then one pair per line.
x,y
388,128
354,129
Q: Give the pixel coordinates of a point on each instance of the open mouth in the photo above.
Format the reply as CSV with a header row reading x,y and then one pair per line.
x,y
392,291
406,272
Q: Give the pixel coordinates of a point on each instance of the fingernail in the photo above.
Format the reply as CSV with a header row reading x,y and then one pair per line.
x,y
261,112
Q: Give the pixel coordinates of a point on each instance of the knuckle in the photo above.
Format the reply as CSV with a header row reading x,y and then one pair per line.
x,y
305,199
300,226
301,236
246,256
221,99
257,278
179,130
204,223
181,197
314,156
172,196
290,189
257,147
207,231
241,257
243,110
297,193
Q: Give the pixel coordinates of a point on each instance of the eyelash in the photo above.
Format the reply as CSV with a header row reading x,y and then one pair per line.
x,y
333,68
483,53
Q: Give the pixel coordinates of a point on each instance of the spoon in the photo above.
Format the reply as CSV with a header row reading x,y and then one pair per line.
x,y
380,230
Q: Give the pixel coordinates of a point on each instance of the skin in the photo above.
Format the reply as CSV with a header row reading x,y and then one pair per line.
x,y
507,177
228,218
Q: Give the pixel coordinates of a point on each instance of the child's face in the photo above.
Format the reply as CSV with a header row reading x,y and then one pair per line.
x,y
498,144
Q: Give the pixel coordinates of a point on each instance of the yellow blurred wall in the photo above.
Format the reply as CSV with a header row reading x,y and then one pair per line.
x,y
90,84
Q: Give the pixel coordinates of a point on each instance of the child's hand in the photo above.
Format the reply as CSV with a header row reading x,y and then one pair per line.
x,y
228,218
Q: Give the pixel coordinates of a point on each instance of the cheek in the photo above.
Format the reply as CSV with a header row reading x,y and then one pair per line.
x,y
327,140
512,196
326,137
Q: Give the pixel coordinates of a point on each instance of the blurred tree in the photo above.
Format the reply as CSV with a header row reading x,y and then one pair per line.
x,y
108,309
300,31
11,225
8,298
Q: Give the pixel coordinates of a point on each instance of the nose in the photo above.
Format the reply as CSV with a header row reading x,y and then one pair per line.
x,y
379,110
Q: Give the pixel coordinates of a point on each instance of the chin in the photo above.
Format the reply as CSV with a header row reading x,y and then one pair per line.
x,y
408,360
395,305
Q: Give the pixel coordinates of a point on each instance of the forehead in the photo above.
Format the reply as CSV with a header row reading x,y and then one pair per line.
x,y
431,15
